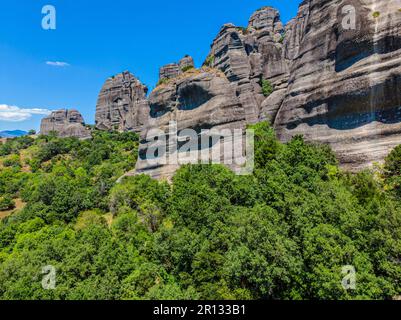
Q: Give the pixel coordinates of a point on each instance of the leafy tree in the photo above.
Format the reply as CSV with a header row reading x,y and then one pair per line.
x,y
6,203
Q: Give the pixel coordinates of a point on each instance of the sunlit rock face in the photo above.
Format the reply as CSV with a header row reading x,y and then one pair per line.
x,y
247,56
335,70
335,73
197,99
65,123
173,70
345,84
122,104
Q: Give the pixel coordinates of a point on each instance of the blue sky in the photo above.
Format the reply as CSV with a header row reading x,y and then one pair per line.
x,y
98,39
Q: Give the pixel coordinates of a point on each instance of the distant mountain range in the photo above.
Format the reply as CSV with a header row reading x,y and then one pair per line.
x,y
12,133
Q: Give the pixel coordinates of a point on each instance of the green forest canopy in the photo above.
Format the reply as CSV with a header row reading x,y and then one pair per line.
x,y
284,232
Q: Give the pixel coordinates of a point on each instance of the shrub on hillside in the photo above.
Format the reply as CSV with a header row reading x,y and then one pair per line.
x,y
6,203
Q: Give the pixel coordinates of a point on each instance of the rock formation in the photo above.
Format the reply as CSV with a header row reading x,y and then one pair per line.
x,y
345,84
330,83
227,92
249,56
173,70
169,71
331,74
122,104
186,62
197,99
66,123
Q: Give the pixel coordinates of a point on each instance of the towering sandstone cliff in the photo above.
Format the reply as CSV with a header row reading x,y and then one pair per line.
x,y
197,99
66,123
345,85
332,84
248,56
122,104
332,81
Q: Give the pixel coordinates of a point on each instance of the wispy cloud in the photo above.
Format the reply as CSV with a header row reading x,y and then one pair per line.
x,y
17,114
57,64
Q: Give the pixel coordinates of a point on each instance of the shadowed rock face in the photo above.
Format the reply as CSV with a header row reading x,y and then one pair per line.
x,y
66,123
122,104
345,85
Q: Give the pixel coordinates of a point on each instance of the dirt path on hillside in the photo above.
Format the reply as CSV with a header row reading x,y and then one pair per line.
x,y
19,204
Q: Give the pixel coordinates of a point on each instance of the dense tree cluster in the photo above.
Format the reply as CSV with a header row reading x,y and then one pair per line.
x,y
284,232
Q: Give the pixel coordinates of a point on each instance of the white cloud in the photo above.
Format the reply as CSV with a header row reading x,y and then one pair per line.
x,y
57,64
16,114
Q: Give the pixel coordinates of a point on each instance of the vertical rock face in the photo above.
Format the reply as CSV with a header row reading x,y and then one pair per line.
x,y
251,55
173,70
332,74
169,71
122,104
345,84
66,123
332,82
197,99
186,62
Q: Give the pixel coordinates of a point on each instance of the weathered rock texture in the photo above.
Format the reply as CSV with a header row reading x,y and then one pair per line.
x,y
197,99
173,70
122,104
169,71
345,85
186,62
247,56
66,123
331,84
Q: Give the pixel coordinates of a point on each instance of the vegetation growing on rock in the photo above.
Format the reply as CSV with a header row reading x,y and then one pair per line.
x,y
209,61
267,87
187,68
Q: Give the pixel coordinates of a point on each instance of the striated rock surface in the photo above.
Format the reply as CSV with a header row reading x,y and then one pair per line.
x,y
331,83
315,76
173,70
251,55
345,84
169,71
186,62
122,104
66,123
197,99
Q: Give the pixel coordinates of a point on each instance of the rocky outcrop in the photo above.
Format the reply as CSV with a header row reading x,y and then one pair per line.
x,y
345,84
173,70
249,56
315,76
122,104
332,84
197,99
186,62
169,71
227,92
65,123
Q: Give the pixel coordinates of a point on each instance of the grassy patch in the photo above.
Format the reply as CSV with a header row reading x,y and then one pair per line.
x,y
187,68
162,81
